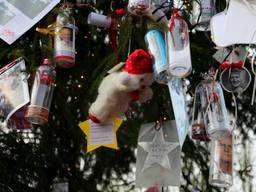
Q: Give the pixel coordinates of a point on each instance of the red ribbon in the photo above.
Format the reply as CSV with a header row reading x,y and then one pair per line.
x,y
214,97
94,118
227,65
112,34
135,95
120,11
175,14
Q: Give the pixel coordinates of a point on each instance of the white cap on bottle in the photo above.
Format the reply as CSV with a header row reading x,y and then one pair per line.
x,y
99,20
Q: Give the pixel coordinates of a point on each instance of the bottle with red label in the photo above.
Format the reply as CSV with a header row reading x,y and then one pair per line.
x,y
41,95
64,40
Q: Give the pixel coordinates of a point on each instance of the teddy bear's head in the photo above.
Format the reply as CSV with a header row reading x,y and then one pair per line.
x,y
137,73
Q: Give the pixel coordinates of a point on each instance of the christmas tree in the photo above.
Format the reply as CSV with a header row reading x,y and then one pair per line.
x,y
31,160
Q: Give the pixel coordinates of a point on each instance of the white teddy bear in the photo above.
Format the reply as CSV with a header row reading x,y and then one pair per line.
x,y
120,88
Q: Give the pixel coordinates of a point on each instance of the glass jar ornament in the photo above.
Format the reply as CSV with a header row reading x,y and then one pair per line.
x,y
156,46
99,20
64,40
139,7
198,124
215,115
221,163
41,96
60,184
178,46
202,13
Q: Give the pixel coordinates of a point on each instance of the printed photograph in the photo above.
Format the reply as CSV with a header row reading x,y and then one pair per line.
x,y
5,14
13,91
235,79
34,8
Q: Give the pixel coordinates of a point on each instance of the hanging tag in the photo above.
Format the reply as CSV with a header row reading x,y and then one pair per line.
x,y
100,134
221,54
159,156
179,108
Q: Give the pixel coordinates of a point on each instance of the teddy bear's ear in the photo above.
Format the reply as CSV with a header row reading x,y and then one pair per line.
x,y
117,67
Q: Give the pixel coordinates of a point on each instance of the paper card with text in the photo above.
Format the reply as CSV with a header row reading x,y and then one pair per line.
x,y
101,134
18,16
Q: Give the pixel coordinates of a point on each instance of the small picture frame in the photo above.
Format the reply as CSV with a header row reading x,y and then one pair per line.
x,y
235,80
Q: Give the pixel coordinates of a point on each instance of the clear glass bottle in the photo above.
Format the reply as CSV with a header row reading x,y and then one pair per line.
x,y
156,46
200,105
64,40
60,184
221,163
41,96
139,7
202,14
215,113
178,47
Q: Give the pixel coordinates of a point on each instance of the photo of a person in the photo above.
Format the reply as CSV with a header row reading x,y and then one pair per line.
x,y
66,34
13,89
66,38
225,151
235,79
5,106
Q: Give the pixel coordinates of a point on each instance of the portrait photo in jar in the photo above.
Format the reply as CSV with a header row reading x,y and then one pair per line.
x,y
66,37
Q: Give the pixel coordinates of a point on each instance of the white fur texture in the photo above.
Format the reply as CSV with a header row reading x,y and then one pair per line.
x,y
114,94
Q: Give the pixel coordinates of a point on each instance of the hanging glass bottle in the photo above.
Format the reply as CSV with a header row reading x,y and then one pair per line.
x,y
200,105
156,46
99,20
139,7
202,13
64,40
60,184
221,164
178,46
41,96
215,114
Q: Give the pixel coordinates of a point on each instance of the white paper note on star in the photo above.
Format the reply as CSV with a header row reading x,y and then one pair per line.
x,y
158,151
101,134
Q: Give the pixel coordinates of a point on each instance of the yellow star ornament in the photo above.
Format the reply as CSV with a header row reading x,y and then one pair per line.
x,y
101,134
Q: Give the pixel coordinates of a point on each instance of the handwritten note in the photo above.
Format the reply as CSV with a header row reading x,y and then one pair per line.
x,y
101,134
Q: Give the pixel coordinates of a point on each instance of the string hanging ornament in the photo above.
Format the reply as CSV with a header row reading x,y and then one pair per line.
x,y
41,95
178,46
211,111
64,39
221,163
202,12
156,46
